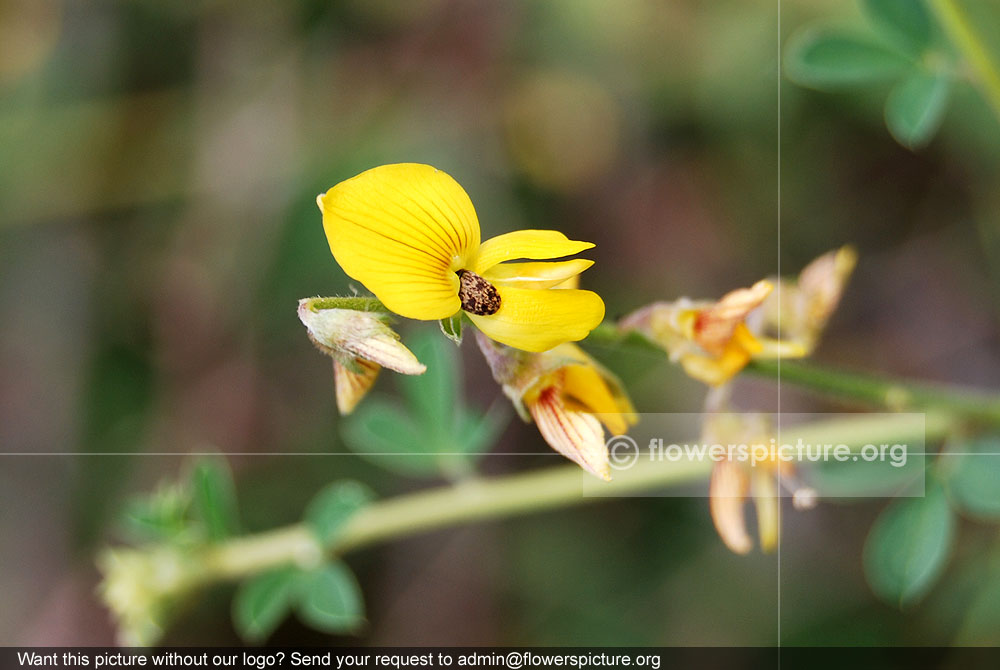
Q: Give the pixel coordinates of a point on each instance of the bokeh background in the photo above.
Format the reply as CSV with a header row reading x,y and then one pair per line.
x,y
160,163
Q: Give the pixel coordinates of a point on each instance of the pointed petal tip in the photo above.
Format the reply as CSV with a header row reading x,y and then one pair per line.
x,y
351,387
728,488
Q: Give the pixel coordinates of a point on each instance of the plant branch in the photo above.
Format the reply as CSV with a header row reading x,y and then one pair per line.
x,y
530,492
893,394
967,40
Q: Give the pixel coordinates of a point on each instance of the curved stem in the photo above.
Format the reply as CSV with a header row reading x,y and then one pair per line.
x,y
530,492
967,40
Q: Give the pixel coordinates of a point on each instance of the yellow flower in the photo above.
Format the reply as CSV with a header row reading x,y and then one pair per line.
x,y
732,481
361,344
568,395
712,340
409,233
799,310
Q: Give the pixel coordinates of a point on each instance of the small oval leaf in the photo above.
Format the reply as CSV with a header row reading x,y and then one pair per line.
x,y
908,546
384,434
333,506
829,58
975,483
331,600
916,107
263,602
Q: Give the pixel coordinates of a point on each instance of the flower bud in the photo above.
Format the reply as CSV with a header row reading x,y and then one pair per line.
x,y
361,344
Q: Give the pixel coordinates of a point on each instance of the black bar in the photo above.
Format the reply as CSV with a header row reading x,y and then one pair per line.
x,y
505,658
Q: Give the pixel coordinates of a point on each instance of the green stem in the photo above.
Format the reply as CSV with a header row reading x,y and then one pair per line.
x,y
888,393
967,40
530,492
893,394
607,335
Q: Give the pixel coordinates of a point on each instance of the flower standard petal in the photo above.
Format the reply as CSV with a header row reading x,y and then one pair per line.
x,y
403,230
538,320
822,283
532,244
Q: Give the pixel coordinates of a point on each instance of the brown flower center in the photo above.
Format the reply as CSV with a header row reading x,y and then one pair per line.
x,y
478,296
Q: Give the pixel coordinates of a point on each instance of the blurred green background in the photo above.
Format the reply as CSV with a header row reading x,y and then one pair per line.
x,y
160,163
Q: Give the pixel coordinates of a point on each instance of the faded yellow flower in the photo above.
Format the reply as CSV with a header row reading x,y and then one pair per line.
x,y
800,309
711,340
569,396
733,482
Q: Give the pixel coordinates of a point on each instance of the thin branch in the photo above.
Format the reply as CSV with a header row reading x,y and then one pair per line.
x,y
959,27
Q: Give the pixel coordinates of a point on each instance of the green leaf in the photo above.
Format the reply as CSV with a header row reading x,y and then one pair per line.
x,y
916,107
160,516
974,485
436,430
263,602
331,600
478,432
215,498
387,436
334,506
905,22
452,327
909,545
829,58
863,479
434,395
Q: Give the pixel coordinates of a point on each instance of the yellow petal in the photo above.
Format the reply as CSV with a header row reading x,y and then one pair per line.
x,y
536,275
402,231
715,325
531,244
576,435
570,282
591,388
765,498
715,371
727,491
537,320
352,386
